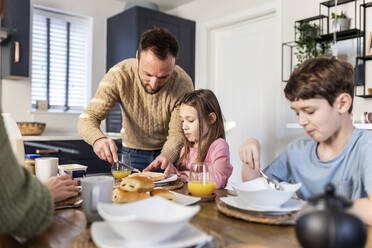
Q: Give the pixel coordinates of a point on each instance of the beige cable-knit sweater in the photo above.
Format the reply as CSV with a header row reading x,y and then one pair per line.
x,y
149,121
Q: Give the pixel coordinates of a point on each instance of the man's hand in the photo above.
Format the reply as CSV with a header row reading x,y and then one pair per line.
x,y
163,163
62,187
106,149
249,154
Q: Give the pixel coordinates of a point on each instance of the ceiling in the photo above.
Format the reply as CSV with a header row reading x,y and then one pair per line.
x,y
164,5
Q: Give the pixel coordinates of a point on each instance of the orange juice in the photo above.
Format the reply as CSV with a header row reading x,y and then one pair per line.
x,y
200,188
120,174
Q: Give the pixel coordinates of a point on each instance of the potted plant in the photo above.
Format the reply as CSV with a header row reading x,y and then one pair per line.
x,y
308,44
340,22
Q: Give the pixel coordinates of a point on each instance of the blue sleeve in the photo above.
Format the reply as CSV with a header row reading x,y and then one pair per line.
x,y
366,163
278,169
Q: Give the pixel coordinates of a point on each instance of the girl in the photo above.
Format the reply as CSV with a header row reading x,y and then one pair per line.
x,y
204,132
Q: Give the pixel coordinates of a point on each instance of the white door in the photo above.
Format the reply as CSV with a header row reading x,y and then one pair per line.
x,y
244,64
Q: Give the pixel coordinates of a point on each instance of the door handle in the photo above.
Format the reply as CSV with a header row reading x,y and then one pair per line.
x,y
16,52
40,151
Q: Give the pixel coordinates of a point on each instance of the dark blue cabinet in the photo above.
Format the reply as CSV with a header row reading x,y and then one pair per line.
x,y
123,33
15,50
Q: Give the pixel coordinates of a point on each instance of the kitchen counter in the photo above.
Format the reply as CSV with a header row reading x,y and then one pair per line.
x,y
73,136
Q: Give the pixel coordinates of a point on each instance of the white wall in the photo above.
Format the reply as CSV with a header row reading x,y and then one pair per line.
x,y
15,95
205,11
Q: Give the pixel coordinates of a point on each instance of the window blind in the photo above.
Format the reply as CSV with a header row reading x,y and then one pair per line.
x,y
60,59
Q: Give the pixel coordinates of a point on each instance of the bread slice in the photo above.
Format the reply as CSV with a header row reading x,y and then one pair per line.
x,y
164,193
120,196
154,176
137,184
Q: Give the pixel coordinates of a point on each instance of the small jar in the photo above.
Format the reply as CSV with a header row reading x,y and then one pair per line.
x,y
30,162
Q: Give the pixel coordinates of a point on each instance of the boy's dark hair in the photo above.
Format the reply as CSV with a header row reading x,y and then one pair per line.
x,y
160,41
321,78
205,102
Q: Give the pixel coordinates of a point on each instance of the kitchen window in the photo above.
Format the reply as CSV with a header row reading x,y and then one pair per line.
x,y
61,59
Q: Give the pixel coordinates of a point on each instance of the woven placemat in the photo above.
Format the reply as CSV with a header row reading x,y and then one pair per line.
x,y
173,185
217,241
286,219
83,240
205,198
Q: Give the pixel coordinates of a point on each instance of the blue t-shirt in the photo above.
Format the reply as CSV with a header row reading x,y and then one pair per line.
x,y
350,171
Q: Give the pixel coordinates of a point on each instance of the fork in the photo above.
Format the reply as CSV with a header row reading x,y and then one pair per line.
x,y
272,182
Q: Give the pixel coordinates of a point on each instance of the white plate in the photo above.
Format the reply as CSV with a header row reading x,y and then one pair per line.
x,y
185,199
291,205
167,180
104,237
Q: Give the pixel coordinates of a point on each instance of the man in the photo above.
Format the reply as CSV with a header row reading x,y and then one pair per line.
x,y
321,93
147,89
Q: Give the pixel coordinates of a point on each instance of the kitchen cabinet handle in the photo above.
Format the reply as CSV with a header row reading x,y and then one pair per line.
x,y
16,52
40,151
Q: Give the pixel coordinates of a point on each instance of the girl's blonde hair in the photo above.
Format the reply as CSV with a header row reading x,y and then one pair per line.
x,y
205,102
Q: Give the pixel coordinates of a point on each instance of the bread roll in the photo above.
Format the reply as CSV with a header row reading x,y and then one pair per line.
x,y
164,193
136,183
154,176
120,196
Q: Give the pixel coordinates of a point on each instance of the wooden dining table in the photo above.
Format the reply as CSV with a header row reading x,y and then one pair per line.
x,y
229,232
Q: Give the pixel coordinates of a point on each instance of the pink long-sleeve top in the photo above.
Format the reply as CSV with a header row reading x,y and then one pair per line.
x,y
219,155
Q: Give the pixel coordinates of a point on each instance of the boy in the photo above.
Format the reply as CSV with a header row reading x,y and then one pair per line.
x,y
321,92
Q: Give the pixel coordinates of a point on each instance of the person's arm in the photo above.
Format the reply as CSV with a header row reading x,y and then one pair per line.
x,y
363,209
97,110
26,206
278,168
220,158
62,187
249,153
174,142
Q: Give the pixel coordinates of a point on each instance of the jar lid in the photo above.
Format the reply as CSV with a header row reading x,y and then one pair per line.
x,y
32,156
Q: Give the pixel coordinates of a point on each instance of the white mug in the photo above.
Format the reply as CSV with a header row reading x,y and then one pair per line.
x,y
46,167
96,189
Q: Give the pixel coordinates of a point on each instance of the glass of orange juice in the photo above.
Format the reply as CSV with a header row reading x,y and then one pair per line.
x,y
119,171
201,181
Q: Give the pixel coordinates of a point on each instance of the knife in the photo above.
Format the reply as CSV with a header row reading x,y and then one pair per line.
x,y
128,167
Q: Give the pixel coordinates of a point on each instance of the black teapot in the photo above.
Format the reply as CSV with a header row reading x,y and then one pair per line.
x,y
326,223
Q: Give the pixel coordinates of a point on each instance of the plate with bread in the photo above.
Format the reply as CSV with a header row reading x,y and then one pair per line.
x,y
136,188
157,177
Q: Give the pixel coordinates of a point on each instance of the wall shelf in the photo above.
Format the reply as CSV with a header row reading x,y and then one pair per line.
x,y
288,45
363,125
313,18
331,3
357,125
364,57
343,35
364,96
320,24
361,60
366,5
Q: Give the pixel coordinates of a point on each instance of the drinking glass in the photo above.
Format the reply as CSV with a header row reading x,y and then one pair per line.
x,y
201,181
119,171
